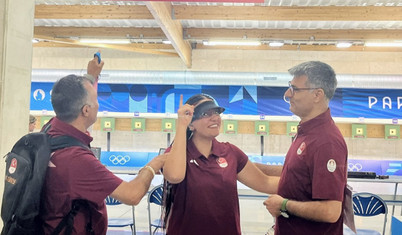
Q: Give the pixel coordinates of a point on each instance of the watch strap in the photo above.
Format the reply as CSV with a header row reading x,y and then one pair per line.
x,y
283,207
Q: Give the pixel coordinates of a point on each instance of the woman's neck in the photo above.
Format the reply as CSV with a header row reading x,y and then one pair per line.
x,y
203,145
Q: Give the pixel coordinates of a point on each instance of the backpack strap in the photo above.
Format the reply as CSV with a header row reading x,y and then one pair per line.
x,y
68,220
61,142
64,141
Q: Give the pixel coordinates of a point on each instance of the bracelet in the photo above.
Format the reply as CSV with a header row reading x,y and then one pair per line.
x,y
90,77
150,169
283,206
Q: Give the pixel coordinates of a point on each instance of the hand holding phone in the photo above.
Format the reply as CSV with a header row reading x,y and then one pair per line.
x,y
98,54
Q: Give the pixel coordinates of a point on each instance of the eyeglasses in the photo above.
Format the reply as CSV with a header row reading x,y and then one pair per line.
x,y
294,89
210,113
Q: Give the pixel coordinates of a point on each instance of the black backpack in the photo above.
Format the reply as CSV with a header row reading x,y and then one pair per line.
x,y
25,174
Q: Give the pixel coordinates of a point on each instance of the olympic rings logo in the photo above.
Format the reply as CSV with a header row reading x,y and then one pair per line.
x,y
354,167
119,159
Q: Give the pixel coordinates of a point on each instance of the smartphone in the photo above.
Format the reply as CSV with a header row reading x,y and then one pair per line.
x,y
97,54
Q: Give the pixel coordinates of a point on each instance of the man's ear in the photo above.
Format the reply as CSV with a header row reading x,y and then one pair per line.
x,y
85,111
319,93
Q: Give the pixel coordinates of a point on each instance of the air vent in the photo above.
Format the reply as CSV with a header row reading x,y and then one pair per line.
x,y
270,78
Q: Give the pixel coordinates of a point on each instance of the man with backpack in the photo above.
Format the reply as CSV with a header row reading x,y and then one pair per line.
x,y
74,173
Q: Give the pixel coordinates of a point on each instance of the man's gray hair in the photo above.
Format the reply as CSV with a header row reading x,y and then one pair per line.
x,y
69,96
319,75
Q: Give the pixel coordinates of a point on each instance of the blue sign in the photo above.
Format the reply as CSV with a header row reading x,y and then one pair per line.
x,y
238,100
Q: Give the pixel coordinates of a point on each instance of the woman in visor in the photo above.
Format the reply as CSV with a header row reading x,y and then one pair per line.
x,y
201,185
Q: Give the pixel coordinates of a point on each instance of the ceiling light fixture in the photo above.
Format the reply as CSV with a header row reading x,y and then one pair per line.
x,y
166,42
232,43
106,41
383,44
344,44
276,44
34,40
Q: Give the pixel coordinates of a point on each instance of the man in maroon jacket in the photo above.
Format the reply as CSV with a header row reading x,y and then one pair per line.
x,y
74,173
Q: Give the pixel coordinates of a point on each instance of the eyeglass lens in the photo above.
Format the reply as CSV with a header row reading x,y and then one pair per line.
x,y
210,113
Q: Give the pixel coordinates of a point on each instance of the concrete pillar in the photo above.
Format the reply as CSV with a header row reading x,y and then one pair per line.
x,y
16,32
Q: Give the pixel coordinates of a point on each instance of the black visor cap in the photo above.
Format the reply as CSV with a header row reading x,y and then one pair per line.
x,y
205,106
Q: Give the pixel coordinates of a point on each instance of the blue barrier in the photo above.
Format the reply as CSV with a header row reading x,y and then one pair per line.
x,y
140,159
380,167
268,160
127,159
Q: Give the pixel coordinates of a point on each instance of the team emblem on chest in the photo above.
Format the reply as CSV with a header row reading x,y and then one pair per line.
x,y
222,162
301,148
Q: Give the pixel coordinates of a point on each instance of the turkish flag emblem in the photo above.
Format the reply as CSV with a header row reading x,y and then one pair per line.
x,y
222,162
13,166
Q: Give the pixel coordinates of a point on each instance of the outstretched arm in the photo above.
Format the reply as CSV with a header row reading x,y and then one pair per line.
x,y
174,169
132,192
252,177
269,169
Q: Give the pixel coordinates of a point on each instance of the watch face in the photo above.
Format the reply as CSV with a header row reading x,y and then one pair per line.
x,y
285,214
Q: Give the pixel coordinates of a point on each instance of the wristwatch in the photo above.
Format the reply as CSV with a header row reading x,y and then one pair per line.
x,y
283,210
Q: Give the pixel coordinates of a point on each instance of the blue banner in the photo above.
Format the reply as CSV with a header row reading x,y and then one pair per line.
x,y
238,100
140,159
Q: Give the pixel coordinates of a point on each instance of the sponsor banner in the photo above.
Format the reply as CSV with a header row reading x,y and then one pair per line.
x,y
238,100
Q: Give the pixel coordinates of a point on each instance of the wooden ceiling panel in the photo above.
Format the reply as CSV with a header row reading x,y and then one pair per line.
x,y
300,48
270,13
146,46
115,32
136,48
293,34
92,12
320,23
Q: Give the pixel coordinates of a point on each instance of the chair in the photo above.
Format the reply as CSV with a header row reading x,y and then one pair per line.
x,y
120,222
155,197
368,204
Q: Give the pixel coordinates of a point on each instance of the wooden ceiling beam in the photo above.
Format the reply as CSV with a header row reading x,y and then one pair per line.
x,y
270,13
293,34
173,29
258,13
108,46
92,12
112,32
148,46
206,33
301,48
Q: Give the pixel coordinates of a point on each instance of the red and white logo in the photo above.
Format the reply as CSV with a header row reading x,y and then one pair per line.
x,y
301,148
13,166
222,162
